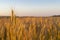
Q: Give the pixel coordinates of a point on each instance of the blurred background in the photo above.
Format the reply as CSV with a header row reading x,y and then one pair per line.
x,y
30,7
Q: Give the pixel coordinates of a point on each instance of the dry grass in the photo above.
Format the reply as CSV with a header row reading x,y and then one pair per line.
x,y
30,28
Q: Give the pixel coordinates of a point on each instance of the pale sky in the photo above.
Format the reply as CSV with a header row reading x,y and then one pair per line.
x,y
30,7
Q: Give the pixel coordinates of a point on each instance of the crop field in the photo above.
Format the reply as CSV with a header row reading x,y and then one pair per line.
x,y
29,28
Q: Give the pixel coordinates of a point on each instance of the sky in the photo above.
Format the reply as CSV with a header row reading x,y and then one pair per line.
x,y
30,7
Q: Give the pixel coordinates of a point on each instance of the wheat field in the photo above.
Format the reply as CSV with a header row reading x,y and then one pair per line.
x,y
29,28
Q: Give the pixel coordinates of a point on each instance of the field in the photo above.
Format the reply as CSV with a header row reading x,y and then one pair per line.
x,y
29,28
